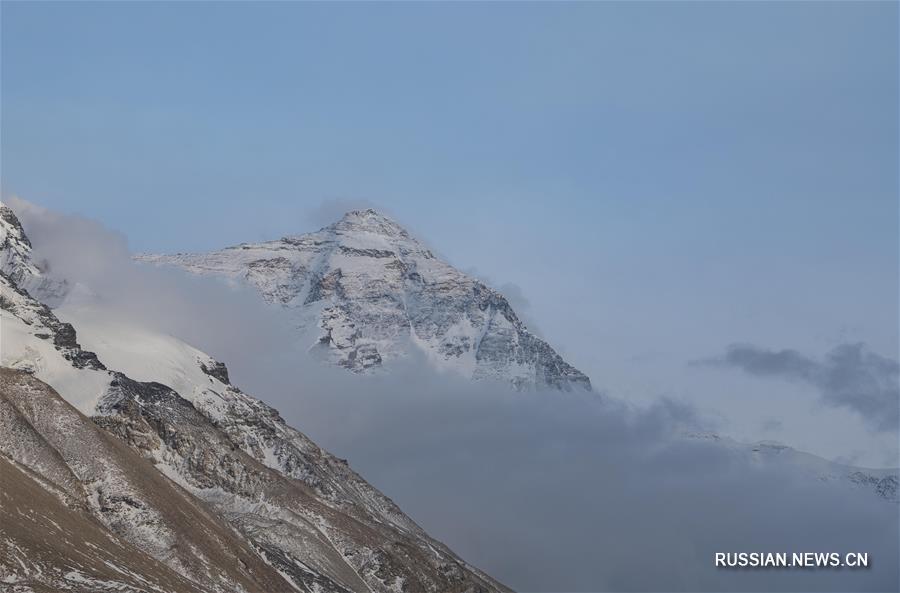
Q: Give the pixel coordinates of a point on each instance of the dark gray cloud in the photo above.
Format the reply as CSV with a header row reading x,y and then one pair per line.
x,y
850,376
546,491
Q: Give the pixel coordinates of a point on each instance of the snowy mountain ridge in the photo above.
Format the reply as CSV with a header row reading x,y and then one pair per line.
x,y
173,479
885,483
371,291
17,263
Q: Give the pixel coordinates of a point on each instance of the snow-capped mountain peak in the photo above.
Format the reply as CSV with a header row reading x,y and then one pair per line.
x,y
372,222
371,292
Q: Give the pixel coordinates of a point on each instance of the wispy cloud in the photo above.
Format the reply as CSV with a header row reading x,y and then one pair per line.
x,y
850,376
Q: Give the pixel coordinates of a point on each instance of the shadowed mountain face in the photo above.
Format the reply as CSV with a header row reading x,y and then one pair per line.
x,y
178,482
371,292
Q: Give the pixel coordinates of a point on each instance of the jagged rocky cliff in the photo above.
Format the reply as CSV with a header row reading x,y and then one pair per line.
x,y
162,476
372,292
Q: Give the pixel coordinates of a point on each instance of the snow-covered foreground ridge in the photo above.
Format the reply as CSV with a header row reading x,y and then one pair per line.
x,y
372,292
149,471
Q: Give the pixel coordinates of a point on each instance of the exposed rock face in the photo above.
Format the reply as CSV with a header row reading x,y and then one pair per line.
x,y
15,248
194,485
216,370
17,263
48,326
373,292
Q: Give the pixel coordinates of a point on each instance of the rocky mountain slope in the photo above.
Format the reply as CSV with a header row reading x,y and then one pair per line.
x,y
95,475
46,545
371,292
173,479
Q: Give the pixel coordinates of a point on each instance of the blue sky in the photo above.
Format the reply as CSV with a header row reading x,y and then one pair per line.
x,y
659,180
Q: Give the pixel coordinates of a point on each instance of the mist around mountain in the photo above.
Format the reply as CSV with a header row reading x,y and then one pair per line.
x,y
546,490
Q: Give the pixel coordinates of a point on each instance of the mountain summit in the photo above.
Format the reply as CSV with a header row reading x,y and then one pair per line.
x,y
373,293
